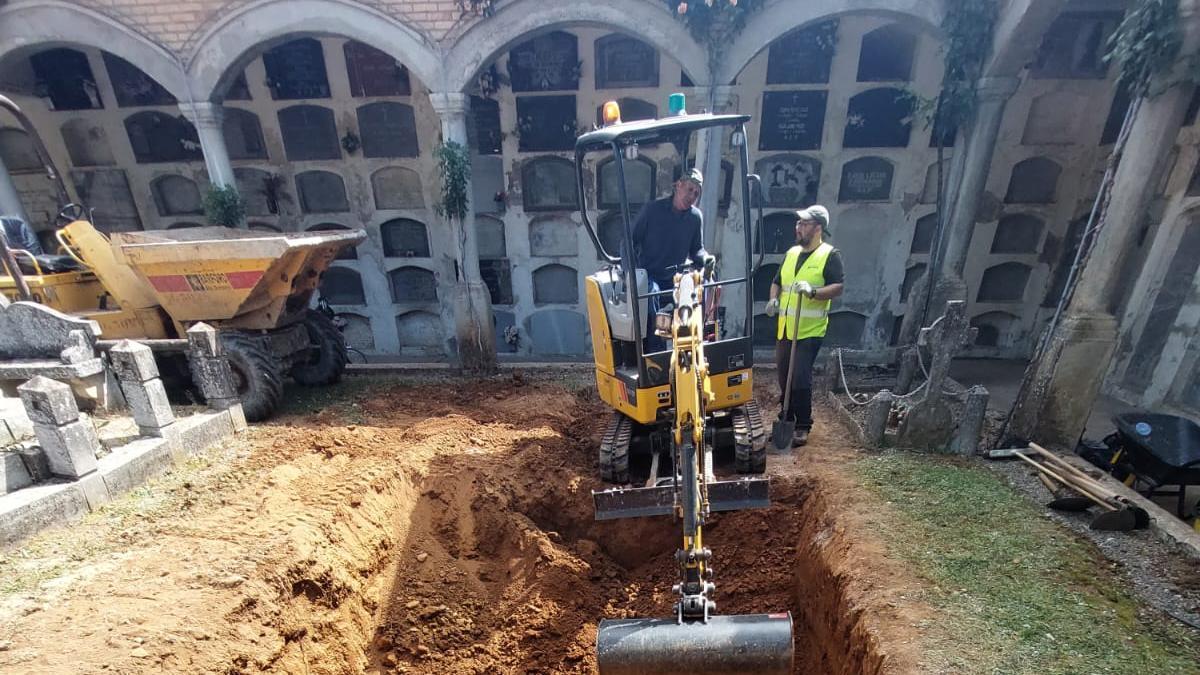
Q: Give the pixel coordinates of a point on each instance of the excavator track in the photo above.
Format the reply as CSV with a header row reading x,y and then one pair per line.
x,y
614,449
749,449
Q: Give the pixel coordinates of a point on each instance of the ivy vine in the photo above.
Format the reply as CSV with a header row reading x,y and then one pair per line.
x,y
714,23
968,26
454,168
224,206
1146,48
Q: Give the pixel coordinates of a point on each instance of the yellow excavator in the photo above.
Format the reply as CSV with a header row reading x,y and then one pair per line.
x,y
254,287
680,407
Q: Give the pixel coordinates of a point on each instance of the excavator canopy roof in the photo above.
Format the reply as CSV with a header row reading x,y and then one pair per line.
x,y
653,131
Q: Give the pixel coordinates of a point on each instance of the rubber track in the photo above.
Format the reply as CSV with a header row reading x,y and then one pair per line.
x,y
614,449
748,456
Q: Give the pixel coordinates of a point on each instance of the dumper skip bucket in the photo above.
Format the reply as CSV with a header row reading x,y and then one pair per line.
x,y
748,643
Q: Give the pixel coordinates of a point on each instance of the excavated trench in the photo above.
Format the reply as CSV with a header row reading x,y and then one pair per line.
x,y
477,552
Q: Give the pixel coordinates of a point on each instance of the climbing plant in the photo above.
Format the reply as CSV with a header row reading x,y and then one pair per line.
x,y
454,168
224,206
967,27
476,7
714,23
1146,48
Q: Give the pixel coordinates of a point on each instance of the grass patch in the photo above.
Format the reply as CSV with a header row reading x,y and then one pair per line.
x,y
1019,594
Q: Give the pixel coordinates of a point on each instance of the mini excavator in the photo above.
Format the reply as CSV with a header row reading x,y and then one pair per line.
x,y
680,406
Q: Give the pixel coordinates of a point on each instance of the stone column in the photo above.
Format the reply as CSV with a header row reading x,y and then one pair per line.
x,y
147,398
970,429
879,409
472,303
68,441
969,169
718,100
10,199
1062,385
209,119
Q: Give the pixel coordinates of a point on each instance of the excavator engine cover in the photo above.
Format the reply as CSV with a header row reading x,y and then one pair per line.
x,y
747,643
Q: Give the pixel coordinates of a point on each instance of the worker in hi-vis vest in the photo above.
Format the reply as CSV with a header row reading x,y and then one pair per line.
x,y
809,279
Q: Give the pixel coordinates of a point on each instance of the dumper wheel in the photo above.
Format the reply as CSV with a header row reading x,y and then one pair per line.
x,y
256,375
326,358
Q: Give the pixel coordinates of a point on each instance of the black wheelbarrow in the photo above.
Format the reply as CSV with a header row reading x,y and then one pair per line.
x,y
1157,450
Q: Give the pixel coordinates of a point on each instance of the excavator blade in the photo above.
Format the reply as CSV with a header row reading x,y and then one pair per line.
x,y
723,495
748,643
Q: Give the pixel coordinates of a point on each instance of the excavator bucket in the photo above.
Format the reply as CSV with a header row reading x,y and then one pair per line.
x,y
723,495
748,643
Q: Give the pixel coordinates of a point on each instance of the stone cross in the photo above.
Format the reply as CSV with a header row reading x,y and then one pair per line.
x,y
950,334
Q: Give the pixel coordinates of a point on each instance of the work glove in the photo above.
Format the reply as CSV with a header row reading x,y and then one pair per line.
x,y
802,287
773,307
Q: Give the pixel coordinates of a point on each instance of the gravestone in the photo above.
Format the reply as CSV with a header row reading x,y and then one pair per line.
x,y
373,72
396,187
550,237
497,276
296,70
803,56
87,144
420,334
546,123
309,133
342,286
413,284
176,196
1017,233
321,192
67,79
16,149
485,125
106,192
780,232
1003,283
388,130
547,62
243,135
558,332
923,233
930,422
792,120
878,118
134,88
640,183
548,184
1033,181
404,238
158,137
258,190
887,55
623,62
867,179
487,184
489,232
790,181
845,329
555,284
864,234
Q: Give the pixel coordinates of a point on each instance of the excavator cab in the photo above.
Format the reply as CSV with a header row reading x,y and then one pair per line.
x,y
680,407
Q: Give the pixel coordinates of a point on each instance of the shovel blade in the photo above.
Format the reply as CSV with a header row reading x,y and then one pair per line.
x,y
781,435
1071,504
1115,521
751,643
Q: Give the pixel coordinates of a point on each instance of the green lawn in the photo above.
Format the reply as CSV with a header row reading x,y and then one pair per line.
x,y
1018,593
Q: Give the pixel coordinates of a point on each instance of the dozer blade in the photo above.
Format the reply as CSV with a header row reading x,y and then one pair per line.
x,y
748,643
723,495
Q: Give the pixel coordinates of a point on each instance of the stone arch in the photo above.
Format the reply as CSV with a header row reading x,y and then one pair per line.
x,y
996,329
176,195
779,18
1033,181
342,286
347,253
321,192
413,285
483,41
27,27
421,333
1005,282
17,151
87,143
238,36
404,238
555,284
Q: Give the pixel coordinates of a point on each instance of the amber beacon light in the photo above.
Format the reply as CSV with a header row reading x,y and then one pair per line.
x,y
612,113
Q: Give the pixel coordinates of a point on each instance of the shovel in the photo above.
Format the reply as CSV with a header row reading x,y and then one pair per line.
x,y
783,429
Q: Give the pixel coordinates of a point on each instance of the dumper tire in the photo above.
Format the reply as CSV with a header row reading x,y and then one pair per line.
x,y
257,375
326,358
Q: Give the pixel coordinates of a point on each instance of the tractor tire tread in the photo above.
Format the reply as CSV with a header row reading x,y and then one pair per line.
x,y
260,373
333,357
749,456
614,449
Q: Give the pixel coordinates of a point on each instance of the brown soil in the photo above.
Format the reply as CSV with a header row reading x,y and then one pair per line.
x,y
451,532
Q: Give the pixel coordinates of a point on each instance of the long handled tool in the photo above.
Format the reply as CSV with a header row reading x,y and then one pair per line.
x,y
1119,514
784,429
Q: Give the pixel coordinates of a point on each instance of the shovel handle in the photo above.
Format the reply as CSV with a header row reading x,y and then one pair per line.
x,y
1063,466
787,390
1078,488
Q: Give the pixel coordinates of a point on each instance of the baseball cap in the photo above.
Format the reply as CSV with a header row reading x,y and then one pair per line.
x,y
695,176
815,212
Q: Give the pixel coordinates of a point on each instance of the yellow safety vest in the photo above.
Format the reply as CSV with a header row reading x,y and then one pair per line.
x,y
814,314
